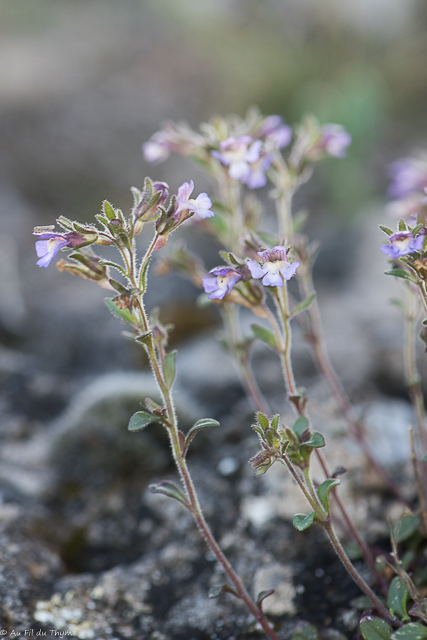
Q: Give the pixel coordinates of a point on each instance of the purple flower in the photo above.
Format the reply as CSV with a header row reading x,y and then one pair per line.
x,y
275,267
334,140
238,154
157,148
275,131
49,245
408,175
222,283
201,206
403,243
257,177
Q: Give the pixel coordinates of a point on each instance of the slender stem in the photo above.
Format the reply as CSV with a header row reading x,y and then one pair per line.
x,y
312,500
329,528
411,372
351,526
420,488
325,367
292,389
249,382
193,502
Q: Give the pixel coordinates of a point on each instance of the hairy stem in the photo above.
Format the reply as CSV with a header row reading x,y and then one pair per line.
x,y
325,367
181,464
249,382
328,527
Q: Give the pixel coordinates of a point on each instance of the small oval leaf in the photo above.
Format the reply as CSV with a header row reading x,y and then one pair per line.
x,y
171,490
316,441
264,335
263,595
302,521
399,273
411,631
397,597
403,529
123,314
375,629
141,419
300,425
302,306
205,423
324,489
170,368
217,589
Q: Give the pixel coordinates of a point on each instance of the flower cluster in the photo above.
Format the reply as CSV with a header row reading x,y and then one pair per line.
x,y
247,148
273,270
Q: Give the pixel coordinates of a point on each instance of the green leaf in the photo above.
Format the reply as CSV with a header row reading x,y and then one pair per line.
x,y
324,489
265,335
217,589
117,285
140,420
198,426
108,210
375,629
143,275
303,305
404,529
144,337
169,489
402,225
386,230
263,420
399,273
411,631
300,425
169,367
304,631
317,441
302,521
123,314
263,595
397,597
109,263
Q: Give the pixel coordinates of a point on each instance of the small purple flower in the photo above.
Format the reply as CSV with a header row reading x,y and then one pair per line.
x,y
409,175
403,243
238,154
157,149
275,267
257,177
201,206
48,246
334,140
276,132
222,283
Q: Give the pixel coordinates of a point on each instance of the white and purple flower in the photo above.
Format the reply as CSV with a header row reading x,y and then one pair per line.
x,y
275,132
275,267
201,205
402,244
48,245
157,149
220,281
334,140
238,154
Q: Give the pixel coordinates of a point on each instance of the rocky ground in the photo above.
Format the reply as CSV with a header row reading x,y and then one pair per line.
x,y
89,552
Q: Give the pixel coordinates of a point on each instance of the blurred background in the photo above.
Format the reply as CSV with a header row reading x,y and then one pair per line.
x,y
84,82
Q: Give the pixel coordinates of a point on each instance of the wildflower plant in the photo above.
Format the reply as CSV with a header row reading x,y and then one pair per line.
x,y
241,155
